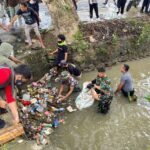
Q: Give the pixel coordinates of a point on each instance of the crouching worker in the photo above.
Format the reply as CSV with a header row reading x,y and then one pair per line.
x,y
101,90
71,68
126,84
8,78
70,82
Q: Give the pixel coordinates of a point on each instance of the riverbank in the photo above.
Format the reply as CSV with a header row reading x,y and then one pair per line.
x,y
108,43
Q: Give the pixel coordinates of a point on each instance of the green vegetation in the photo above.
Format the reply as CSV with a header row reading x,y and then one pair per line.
x,y
145,35
79,43
115,39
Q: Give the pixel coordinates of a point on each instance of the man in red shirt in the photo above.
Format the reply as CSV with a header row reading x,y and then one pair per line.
x,y
9,78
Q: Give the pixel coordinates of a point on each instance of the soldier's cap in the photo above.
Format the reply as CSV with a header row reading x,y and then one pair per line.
x,y
101,69
6,46
65,74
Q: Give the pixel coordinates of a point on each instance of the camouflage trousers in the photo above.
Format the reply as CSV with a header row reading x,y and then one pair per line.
x,y
104,103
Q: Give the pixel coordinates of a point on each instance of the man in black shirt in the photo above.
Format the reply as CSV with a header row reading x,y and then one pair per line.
x,y
34,4
30,17
71,68
61,51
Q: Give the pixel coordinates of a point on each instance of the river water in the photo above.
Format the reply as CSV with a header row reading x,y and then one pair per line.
x,y
125,127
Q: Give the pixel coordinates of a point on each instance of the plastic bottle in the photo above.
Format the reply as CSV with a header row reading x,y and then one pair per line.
x,y
55,123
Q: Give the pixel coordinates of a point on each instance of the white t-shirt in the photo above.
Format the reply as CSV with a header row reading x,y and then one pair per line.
x,y
92,1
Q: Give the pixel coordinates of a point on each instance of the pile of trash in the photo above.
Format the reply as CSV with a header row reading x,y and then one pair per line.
x,y
107,29
39,110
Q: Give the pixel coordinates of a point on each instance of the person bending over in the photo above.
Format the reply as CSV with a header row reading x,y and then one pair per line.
x,y
30,17
8,79
70,82
71,68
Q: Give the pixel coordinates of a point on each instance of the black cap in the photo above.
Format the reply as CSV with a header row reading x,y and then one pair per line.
x,y
101,69
61,37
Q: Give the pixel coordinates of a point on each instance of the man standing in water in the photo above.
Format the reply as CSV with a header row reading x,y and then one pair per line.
x,y
126,83
101,90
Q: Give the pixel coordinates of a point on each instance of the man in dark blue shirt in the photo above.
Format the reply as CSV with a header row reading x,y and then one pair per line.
x,y
30,17
34,4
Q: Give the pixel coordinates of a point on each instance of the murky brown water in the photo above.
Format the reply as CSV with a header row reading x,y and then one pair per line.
x,y
125,127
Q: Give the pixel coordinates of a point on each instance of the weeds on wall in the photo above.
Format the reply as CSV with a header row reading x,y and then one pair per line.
x,y
79,44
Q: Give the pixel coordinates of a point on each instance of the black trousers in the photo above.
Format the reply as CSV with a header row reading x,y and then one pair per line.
x,y
126,94
95,8
145,5
75,4
121,6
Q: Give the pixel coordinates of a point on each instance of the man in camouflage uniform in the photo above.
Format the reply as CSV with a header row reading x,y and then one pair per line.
x,y
101,90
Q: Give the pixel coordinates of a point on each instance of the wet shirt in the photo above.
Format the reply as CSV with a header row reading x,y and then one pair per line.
x,y
70,82
126,78
62,49
92,1
73,70
29,16
5,83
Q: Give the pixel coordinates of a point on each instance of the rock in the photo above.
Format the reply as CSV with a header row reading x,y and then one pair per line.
x,y
79,58
8,38
125,30
92,39
91,67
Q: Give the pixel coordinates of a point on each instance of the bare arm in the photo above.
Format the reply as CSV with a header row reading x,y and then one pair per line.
x,y
66,57
3,27
13,21
120,86
54,52
14,59
68,94
61,89
94,94
3,104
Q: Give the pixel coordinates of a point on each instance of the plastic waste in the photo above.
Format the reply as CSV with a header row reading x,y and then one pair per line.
x,y
70,109
85,99
55,123
26,96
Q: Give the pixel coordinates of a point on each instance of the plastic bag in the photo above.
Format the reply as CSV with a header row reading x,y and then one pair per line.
x,y
85,98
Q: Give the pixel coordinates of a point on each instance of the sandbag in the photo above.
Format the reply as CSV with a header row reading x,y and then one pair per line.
x,y
85,99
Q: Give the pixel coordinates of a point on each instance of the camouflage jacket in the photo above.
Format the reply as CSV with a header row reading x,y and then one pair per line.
x,y
104,83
